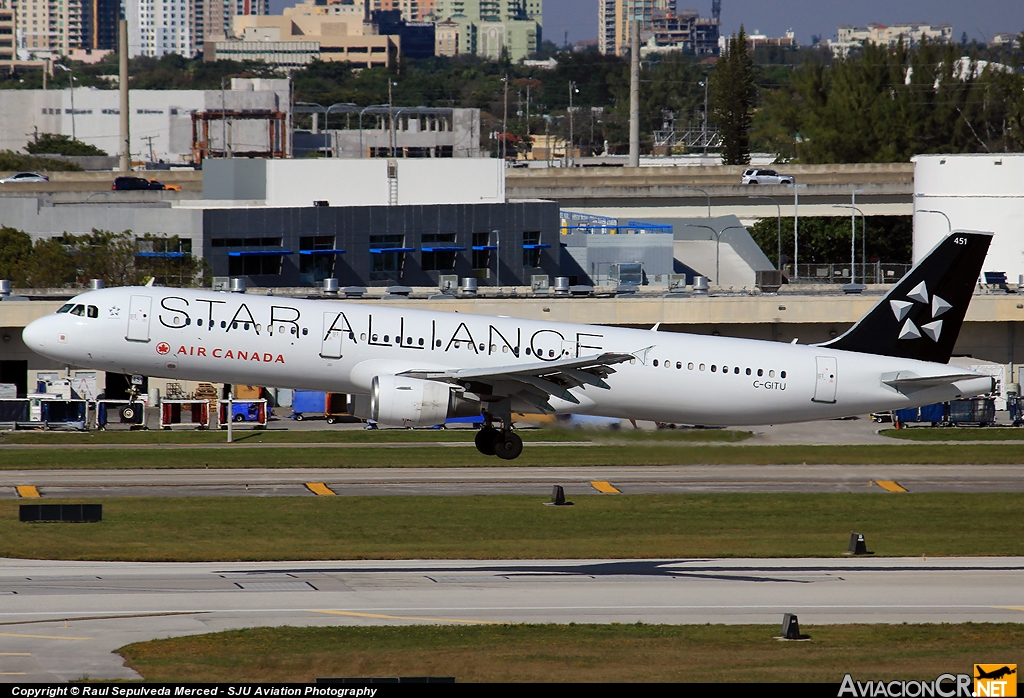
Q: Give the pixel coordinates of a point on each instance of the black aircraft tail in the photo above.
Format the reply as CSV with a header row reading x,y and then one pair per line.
x,y
920,317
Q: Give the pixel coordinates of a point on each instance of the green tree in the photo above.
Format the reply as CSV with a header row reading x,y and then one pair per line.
x,y
51,265
16,162
826,239
733,96
15,252
59,144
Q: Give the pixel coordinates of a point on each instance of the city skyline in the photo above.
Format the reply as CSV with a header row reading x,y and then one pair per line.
x,y
981,19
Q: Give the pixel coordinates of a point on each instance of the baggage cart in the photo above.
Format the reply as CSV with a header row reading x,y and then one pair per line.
x,y
13,411
1015,405
254,412
935,414
192,412
309,403
336,407
976,411
64,414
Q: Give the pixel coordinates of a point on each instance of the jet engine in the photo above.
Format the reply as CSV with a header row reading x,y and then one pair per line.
x,y
413,402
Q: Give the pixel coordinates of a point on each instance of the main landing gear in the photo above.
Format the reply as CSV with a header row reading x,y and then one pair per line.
x,y
503,443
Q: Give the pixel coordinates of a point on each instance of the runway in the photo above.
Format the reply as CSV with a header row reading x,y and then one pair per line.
x,y
108,605
577,481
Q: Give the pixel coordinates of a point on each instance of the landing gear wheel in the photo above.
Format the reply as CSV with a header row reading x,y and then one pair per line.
x,y
486,439
508,445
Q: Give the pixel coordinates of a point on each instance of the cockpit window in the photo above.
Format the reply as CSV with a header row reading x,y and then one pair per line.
x,y
93,311
66,307
78,310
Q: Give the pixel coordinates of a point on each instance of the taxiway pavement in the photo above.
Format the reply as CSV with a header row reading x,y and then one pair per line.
x,y
62,620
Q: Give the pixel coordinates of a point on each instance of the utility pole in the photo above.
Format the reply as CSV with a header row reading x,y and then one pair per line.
x,y
125,161
504,122
391,118
634,94
527,113
704,127
149,139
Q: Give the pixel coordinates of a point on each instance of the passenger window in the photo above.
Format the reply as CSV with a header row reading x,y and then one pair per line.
x,y
713,368
421,341
736,370
655,363
702,367
690,366
760,372
78,310
362,337
386,340
679,364
782,375
437,343
771,374
223,324
305,331
93,311
66,308
199,322
527,348
748,371
234,325
725,369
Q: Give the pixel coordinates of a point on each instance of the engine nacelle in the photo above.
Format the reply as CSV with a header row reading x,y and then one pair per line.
x,y
413,402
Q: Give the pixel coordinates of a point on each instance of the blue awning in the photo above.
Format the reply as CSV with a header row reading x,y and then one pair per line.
x,y
536,247
321,251
259,253
385,250
168,255
480,248
444,248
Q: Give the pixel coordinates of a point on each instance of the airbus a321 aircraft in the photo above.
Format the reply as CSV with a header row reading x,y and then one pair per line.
x,y
419,367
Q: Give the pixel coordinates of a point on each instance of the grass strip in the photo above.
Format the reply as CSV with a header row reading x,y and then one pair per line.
x,y
639,453
958,434
354,436
520,527
580,653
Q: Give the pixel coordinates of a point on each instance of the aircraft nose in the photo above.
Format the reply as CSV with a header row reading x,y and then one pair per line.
x,y
35,335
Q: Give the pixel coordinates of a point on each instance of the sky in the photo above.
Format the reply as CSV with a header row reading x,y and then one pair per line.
x,y
979,18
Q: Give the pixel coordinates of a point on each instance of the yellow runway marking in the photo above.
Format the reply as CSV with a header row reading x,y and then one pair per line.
x,y
890,485
387,617
1011,608
28,491
44,637
606,487
320,489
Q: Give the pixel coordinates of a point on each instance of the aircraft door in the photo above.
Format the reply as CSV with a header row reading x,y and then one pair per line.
x,y
330,346
825,383
139,318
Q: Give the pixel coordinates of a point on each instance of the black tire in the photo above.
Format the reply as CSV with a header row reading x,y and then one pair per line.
x,y
331,420
239,418
128,413
753,181
299,417
486,439
509,446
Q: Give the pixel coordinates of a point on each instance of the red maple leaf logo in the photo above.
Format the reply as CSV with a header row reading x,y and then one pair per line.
x,y
163,348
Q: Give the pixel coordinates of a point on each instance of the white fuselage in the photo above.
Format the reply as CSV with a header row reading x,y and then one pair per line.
x,y
339,346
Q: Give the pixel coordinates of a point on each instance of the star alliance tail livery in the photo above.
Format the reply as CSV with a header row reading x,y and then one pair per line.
x,y
419,367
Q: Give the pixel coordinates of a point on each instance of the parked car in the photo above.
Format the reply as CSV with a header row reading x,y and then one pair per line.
x,y
758,176
25,177
137,183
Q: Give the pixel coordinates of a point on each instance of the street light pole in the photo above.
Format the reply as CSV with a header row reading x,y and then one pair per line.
x,y
853,235
504,122
863,233
71,84
718,242
949,226
796,228
570,157
779,264
702,192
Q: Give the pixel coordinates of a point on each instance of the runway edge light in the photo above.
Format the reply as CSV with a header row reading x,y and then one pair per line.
x,y
858,546
791,628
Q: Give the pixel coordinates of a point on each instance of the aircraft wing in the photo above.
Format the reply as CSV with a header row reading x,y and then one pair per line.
x,y
534,382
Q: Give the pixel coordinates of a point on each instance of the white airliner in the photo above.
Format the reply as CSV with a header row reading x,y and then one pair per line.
x,y
418,367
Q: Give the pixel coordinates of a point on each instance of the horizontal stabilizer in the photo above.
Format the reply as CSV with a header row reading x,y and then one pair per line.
x,y
906,379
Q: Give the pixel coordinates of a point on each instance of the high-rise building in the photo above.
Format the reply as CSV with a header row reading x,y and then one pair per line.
x,y
489,27
7,28
615,17
412,10
99,20
47,28
159,27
